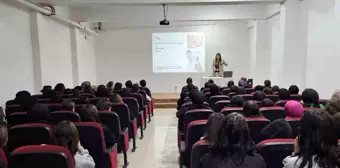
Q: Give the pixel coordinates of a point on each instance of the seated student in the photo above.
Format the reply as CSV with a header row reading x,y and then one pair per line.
x,y
267,103
109,85
128,84
294,109
125,92
214,90
275,89
183,95
45,88
267,84
89,113
233,89
3,136
230,84
210,81
115,98
135,89
146,89
102,91
83,100
59,88
251,109
267,91
76,92
316,145
85,84
336,119
103,105
38,113
68,105
118,86
213,124
53,96
206,85
87,90
277,129
66,135
333,106
234,147
189,82
310,98
284,94
236,101
293,89
25,100
198,99
259,96
259,88
241,91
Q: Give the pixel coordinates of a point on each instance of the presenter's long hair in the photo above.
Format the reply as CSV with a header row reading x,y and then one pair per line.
x,y
218,58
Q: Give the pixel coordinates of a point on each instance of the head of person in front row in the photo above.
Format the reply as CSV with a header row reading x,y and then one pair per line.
x,y
210,81
267,83
277,129
259,96
66,135
38,113
267,103
316,144
214,90
109,85
230,84
293,89
118,86
233,146
251,109
237,101
103,105
213,124
115,98
68,105
294,109
267,91
284,94
142,83
310,99
128,84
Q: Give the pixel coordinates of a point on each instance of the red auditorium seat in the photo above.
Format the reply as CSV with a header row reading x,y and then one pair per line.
x,y
134,108
54,107
226,91
214,99
275,150
92,138
17,118
126,122
29,134
13,108
231,94
206,90
41,156
3,159
229,110
220,105
194,115
111,120
88,95
273,113
281,103
296,97
78,107
295,124
247,97
274,98
44,100
255,125
142,107
57,116
199,149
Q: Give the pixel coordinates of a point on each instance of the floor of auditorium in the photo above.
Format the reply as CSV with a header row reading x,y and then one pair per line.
x,y
158,149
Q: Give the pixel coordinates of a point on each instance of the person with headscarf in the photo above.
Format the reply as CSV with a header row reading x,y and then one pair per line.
x,y
277,129
102,91
294,109
310,98
214,90
198,99
333,106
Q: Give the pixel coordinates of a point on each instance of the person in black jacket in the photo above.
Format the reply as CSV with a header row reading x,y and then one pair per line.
x,y
89,113
234,147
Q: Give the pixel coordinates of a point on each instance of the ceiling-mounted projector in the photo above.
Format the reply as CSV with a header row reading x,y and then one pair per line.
x,y
164,22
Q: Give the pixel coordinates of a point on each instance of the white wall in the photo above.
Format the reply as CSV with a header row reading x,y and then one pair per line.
x,y
117,51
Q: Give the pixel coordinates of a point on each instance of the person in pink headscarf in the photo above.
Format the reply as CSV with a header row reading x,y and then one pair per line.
x,y
294,109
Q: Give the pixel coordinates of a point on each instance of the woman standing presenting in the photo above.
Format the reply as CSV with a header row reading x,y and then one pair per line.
x,y
218,63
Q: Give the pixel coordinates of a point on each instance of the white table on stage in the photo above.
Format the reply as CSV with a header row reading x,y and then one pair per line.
x,y
220,81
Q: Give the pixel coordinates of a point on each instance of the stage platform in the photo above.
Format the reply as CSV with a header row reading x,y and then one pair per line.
x,y
166,100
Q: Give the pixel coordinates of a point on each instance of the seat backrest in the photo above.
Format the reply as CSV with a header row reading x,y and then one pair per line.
x,y
29,134
13,108
57,116
226,91
88,95
249,90
194,115
199,149
206,90
232,94
96,99
54,107
194,131
92,138
123,113
111,120
214,99
294,124
41,156
132,103
140,100
281,103
220,105
274,98
229,110
44,100
247,97
273,113
17,118
296,97
275,150
255,125
3,159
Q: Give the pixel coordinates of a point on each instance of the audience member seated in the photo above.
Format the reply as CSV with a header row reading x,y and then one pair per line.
x,y
85,84
146,89
59,88
294,89
206,86
128,84
25,100
259,88
310,99
242,82
241,91
267,84
189,82
135,89
275,89
83,100
66,135
234,89
109,85
89,113
76,92
103,105
294,109
87,90
115,98
259,96
118,86
183,95
53,96
277,129
233,147
211,81
45,88
214,90
125,92
336,119
236,101
267,103
68,105
284,94
316,145
267,91
198,99
213,124
251,109
102,91
336,94
333,106
38,113
230,84
3,136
